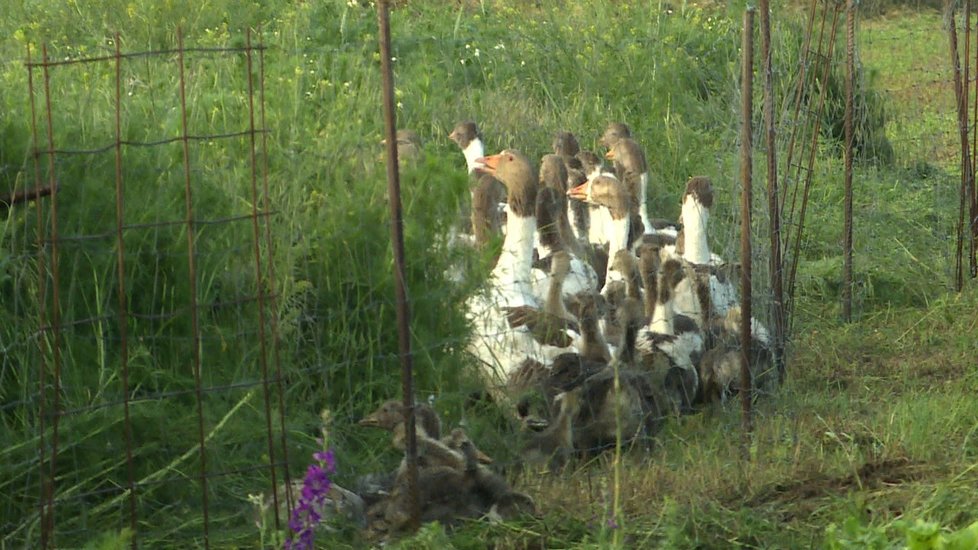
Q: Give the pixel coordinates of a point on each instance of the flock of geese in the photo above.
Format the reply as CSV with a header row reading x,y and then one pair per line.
x,y
597,316
596,324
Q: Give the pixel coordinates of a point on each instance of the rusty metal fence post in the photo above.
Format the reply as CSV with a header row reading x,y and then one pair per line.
x,y
847,205
966,179
397,242
747,92
775,261
192,278
122,295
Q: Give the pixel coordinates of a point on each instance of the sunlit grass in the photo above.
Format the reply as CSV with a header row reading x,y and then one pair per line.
x,y
875,415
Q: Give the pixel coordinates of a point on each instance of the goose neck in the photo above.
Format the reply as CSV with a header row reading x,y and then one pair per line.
x,y
516,257
473,151
695,219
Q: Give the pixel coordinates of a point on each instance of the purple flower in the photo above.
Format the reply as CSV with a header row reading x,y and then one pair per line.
x,y
327,459
307,513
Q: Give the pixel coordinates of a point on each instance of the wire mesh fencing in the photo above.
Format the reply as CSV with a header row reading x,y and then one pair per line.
x,y
136,305
184,314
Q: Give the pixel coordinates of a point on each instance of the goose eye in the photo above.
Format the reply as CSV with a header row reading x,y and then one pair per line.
x,y
509,157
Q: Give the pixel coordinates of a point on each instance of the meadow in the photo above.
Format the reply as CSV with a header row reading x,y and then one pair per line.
x,y
871,439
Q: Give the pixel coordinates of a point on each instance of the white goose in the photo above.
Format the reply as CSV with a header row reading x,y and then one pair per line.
x,y
702,267
501,348
599,219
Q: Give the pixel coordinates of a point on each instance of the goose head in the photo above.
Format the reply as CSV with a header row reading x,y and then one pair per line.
x,y
515,172
697,201
605,191
700,190
627,153
671,275
390,415
408,146
458,440
591,163
464,133
614,132
565,144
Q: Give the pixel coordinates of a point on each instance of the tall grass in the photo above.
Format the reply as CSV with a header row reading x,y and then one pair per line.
x,y
523,71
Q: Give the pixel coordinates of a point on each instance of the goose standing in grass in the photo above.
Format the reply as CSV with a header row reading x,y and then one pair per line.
x,y
432,449
553,176
632,170
599,219
500,346
466,135
408,147
719,369
452,492
707,291
555,444
486,192
670,354
620,399
613,132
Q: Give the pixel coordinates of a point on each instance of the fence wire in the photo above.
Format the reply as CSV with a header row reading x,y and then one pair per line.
x,y
192,315
166,366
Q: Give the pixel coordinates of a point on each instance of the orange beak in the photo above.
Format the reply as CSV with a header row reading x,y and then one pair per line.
x,y
580,192
610,155
489,164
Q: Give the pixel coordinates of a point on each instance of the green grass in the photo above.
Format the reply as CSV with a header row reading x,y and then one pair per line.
x,y
875,422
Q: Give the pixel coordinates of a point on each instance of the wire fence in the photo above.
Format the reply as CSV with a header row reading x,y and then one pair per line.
x,y
159,292
127,333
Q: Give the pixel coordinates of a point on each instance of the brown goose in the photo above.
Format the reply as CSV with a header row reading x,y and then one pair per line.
x,y
614,132
719,369
669,354
555,444
551,217
608,192
390,415
632,170
408,146
448,494
631,407
565,146
553,178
